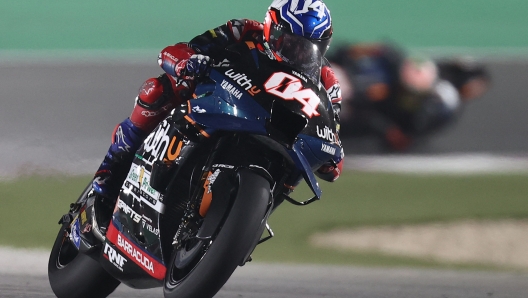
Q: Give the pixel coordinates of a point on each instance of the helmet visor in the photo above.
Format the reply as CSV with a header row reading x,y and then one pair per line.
x,y
299,52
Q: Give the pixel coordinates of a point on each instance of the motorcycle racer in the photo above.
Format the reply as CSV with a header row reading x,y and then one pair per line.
x,y
187,62
401,97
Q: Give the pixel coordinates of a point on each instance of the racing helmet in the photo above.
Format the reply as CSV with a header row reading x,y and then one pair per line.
x,y
287,20
418,74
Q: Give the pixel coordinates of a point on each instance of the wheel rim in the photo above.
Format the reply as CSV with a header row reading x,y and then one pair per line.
x,y
176,274
67,253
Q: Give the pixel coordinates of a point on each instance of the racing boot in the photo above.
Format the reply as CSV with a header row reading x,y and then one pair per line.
x,y
126,140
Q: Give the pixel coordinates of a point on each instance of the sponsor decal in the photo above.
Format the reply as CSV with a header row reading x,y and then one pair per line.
x,y
142,196
173,58
75,233
210,180
146,218
133,176
114,257
128,211
83,217
145,187
157,142
135,253
174,149
199,110
325,133
328,149
162,146
289,87
150,113
223,166
243,81
138,186
223,63
231,89
153,267
149,227
298,74
147,87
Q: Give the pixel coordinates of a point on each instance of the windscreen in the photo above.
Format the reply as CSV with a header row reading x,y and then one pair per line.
x,y
297,51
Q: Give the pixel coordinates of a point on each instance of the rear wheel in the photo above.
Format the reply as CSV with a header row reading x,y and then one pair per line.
x,y
74,274
200,268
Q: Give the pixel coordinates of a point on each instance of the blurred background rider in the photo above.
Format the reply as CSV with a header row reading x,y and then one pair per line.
x,y
399,97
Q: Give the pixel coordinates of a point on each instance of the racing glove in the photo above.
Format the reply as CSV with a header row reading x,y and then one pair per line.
x,y
197,66
332,169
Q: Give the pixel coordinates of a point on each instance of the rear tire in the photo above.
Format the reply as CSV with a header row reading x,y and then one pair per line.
x,y
74,274
238,236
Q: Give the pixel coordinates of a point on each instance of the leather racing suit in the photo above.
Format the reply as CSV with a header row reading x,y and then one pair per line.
x,y
158,96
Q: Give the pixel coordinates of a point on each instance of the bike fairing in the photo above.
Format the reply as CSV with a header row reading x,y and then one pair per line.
x,y
217,108
300,120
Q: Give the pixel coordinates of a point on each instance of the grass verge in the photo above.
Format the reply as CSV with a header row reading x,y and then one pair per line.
x,y
31,207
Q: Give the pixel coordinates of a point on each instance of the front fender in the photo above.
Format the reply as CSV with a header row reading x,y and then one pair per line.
x,y
302,163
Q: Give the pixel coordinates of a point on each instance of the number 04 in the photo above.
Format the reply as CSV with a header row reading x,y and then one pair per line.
x,y
290,87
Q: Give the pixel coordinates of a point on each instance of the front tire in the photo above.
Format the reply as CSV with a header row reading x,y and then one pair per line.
x,y
237,238
74,274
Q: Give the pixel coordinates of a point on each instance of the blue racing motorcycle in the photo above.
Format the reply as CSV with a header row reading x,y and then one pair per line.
x,y
199,192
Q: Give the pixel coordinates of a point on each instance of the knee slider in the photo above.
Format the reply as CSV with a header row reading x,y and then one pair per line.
x,y
155,93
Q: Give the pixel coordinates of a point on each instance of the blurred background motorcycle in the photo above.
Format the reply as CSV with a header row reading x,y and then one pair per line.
x,y
401,98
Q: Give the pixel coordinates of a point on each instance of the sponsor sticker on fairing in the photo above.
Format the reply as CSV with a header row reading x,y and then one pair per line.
x,y
114,257
136,254
149,227
242,80
139,256
326,133
75,233
328,149
128,211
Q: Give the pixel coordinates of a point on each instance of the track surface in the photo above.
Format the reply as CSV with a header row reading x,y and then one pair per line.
x,y
60,116
265,281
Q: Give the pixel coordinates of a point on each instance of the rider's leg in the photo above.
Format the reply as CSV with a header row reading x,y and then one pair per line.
x,y
155,100
126,140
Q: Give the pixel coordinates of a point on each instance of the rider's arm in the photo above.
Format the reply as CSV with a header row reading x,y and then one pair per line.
x,y
173,59
331,170
214,41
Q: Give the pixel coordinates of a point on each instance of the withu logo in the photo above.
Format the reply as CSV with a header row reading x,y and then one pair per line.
x,y
326,133
243,81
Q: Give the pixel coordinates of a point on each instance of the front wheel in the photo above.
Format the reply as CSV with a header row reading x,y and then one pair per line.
x,y
74,274
239,234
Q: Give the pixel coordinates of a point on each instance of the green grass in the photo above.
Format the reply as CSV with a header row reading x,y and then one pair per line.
x,y
31,207
369,199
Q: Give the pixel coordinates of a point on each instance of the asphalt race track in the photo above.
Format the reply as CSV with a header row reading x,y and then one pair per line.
x,y
59,117
278,281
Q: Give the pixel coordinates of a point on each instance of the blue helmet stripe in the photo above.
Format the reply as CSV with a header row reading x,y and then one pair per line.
x,y
322,25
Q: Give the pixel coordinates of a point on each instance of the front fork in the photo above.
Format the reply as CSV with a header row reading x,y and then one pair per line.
x,y
81,224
